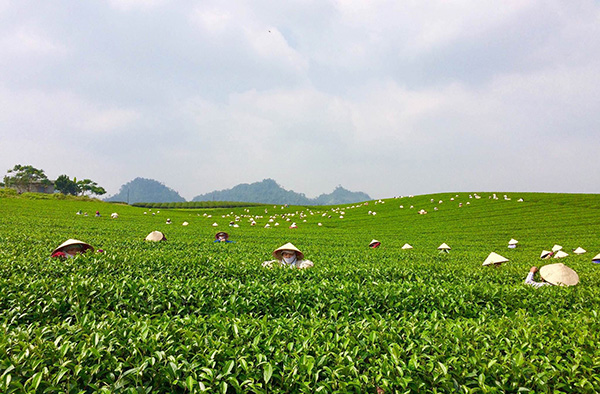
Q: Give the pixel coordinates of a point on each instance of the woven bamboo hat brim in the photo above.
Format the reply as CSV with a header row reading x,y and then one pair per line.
x,y
444,247
156,236
288,246
84,246
223,233
513,241
556,248
494,258
406,246
545,254
579,250
559,274
560,254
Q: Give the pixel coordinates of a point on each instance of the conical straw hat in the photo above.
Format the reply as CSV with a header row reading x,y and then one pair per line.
x,y
374,243
560,254
556,248
407,246
494,258
513,241
545,254
579,250
444,247
596,259
288,246
156,236
223,233
559,274
84,246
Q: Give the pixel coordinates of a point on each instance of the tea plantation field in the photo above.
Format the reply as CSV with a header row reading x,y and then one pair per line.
x,y
189,315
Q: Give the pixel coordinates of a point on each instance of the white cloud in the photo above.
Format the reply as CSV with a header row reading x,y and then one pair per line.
x,y
27,40
128,5
109,120
314,94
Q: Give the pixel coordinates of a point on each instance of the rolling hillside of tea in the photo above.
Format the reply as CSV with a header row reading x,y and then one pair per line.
x,y
190,315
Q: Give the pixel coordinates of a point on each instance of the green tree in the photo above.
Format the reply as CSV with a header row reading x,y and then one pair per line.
x,y
66,186
87,185
23,177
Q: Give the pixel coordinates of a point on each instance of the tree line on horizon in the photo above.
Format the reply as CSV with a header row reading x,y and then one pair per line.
x,y
26,178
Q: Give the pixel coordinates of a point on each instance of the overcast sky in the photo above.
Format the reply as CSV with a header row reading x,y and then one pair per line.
x,y
386,97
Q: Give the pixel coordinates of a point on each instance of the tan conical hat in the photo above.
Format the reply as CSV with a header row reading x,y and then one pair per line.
x,y
407,246
545,254
559,274
444,247
596,258
288,246
556,248
579,250
560,254
513,241
85,246
373,242
494,258
156,236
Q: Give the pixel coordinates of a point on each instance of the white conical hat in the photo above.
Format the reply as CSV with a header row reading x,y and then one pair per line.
x,y
444,247
556,248
596,258
156,236
559,274
374,242
560,254
494,258
579,250
84,246
407,246
545,254
288,246
513,241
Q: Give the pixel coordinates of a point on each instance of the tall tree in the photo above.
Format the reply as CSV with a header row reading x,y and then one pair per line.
x,y
66,186
87,185
23,177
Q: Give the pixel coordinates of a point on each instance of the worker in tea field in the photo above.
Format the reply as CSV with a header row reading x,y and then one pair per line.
x,y
71,248
374,244
222,236
553,274
288,256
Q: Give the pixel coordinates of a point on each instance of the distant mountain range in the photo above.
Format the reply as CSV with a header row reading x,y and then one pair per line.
x,y
145,190
266,191
269,192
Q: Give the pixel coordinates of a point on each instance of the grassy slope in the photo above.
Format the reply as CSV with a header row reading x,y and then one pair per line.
x,y
367,318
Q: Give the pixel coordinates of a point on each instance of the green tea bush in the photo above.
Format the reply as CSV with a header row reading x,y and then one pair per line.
x,y
189,315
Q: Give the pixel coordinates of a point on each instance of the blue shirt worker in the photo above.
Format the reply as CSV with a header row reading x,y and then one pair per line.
x,y
222,236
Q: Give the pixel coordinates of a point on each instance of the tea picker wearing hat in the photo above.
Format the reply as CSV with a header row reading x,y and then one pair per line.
x,y
222,236
553,274
288,256
71,248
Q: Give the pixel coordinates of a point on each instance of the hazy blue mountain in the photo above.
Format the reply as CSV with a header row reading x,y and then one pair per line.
x,y
145,190
341,196
269,192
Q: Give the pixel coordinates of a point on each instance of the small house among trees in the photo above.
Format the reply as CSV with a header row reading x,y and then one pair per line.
x,y
34,187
